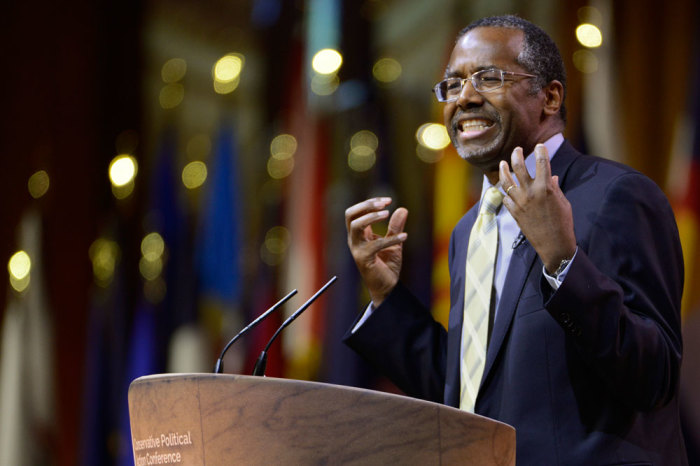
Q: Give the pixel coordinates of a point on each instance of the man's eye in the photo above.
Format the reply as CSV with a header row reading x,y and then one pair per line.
x,y
452,85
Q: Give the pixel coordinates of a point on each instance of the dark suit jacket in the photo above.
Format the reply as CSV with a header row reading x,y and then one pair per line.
x,y
587,374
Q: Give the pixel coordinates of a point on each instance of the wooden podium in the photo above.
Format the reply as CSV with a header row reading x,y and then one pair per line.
x,y
218,419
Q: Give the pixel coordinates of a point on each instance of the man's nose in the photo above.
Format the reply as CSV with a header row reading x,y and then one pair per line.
x,y
469,96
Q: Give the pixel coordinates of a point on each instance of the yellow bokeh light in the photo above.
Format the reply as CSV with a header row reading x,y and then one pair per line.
x,y
386,70
361,158
152,246
19,265
19,284
433,136
150,269
194,174
171,95
280,168
327,61
273,250
122,170
589,14
585,61
173,70
277,239
589,35
104,255
428,155
283,146
364,138
228,68
227,87
38,184
324,84
124,191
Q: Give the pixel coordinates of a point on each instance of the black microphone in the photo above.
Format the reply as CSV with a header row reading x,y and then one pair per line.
x,y
261,363
219,368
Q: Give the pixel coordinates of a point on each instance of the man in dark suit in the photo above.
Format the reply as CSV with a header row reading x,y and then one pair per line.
x,y
581,342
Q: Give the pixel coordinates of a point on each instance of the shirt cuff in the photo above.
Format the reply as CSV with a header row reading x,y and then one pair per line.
x,y
365,316
555,282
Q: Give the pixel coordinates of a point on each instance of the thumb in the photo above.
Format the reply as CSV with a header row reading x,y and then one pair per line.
x,y
397,222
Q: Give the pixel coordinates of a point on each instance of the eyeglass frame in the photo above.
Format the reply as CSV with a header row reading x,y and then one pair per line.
x,y
471,79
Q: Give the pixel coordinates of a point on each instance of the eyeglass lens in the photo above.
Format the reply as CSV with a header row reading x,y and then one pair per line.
x,y
484,81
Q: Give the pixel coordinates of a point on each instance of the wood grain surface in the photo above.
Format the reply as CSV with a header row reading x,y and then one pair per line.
x,y
219,419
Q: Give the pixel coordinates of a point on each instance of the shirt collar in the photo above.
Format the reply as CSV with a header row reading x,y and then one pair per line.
x,y
552,144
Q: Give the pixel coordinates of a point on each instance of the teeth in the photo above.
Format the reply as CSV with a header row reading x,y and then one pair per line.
x,y
475,125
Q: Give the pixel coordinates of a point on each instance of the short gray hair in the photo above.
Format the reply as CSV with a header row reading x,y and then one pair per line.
x,y
540,55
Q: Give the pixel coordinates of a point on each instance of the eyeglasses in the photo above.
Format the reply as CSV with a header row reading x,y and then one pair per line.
x,y
483,81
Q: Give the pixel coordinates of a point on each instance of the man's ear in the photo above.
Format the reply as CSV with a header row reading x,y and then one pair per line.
x,y
553,97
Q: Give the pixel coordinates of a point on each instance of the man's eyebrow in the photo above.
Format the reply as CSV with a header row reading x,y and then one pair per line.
x,y
450,73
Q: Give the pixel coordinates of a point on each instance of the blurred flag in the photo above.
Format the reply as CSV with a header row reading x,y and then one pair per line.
x,y
305,219
218,248
26,363
684,187
262,298
451,200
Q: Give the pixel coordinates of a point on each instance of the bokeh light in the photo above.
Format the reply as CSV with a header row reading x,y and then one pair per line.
x,y
152,246
283,146
361,160
589,14
327,61
362,155
173,70
228,68
324,84
150,269
589,35
226,88
386,70
194,174
280,168
38,184
364,138
104,255
227,73
275,246
585,61
122,170
433,136
171,95
428,155
19,265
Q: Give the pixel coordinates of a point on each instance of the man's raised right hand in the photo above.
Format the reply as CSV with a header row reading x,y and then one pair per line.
x,y
378,258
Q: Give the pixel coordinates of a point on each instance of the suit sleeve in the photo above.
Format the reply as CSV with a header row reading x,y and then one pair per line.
x,y
620,302
403,341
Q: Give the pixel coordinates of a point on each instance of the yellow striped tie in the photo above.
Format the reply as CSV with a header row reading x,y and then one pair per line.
x,y
481,260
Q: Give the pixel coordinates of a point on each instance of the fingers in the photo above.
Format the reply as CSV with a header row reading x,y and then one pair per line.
x,y
363,208
397,222
543,169
360,217
517,161
505,177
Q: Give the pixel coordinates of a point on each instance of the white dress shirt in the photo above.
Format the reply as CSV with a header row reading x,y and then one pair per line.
x,y
508,232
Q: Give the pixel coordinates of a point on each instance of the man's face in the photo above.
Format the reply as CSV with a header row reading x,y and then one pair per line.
x,y
486,127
